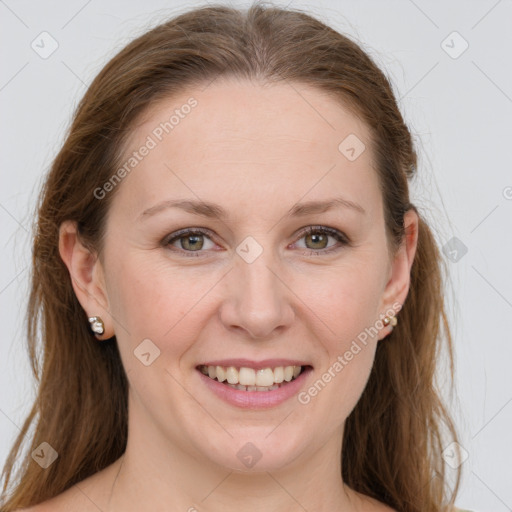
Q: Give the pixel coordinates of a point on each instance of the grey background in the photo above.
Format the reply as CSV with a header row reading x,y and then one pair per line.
x,y
458,106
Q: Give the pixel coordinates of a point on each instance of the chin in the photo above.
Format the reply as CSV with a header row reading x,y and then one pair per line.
x,y
255,450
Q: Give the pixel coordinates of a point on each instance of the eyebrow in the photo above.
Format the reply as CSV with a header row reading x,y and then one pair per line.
x,y
207,209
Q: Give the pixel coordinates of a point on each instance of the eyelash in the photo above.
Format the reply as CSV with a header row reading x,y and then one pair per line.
x,y
339,236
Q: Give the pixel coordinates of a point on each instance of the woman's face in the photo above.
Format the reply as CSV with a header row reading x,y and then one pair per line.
x,y
251,290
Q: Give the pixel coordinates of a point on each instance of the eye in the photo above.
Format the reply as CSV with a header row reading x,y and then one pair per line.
x,y
318,236
190,241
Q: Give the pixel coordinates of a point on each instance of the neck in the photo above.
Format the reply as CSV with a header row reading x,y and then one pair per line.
x,y
156,473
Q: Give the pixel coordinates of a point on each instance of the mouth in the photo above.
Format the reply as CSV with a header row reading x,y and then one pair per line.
x,y
250,379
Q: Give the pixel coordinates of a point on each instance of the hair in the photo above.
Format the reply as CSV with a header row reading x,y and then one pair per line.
x,y
393,438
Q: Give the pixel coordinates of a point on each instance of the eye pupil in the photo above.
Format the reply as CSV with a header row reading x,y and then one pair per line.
x,y
318,238
196,242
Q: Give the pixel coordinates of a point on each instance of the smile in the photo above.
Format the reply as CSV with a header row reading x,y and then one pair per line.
x,y
254,385
250,379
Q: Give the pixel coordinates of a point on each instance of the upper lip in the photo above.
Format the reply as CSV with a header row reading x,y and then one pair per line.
x,y
257,365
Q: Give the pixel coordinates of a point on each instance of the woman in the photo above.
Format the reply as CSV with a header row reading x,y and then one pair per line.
x,y
240,307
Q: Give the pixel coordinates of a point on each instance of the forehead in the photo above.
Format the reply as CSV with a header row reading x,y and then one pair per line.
x,y
239,140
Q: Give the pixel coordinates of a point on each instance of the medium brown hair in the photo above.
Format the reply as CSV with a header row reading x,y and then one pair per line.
x,y
393,438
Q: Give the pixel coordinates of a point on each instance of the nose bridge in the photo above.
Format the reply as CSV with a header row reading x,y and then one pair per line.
x,y
258,300
260,283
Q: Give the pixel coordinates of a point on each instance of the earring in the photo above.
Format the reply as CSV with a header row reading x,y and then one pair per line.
x,y
390,320
97,325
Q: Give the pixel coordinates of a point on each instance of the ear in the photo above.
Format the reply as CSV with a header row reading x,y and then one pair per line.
x,y
86,272
399,282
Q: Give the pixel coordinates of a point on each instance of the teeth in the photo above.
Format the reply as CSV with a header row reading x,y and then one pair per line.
x,y
265,377
231,374
220,373
254,388
249,379
288,373
278,374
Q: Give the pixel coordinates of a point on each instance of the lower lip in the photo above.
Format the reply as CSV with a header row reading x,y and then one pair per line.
x,y
255,399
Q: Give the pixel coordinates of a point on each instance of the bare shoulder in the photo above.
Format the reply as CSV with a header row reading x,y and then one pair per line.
x,y
369,504
377,506
372,505
66,501
89,495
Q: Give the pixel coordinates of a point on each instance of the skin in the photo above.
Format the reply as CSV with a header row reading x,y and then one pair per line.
x,y
256,151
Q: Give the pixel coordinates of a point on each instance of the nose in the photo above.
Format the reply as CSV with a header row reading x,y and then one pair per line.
x,y
258,301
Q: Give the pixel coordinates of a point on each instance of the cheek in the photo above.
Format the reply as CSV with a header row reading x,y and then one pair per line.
x,y
152,300
350,343
345,304
349,381
344,299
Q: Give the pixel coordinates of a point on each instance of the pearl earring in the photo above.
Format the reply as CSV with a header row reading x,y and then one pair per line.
x,y
97,325
390,320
